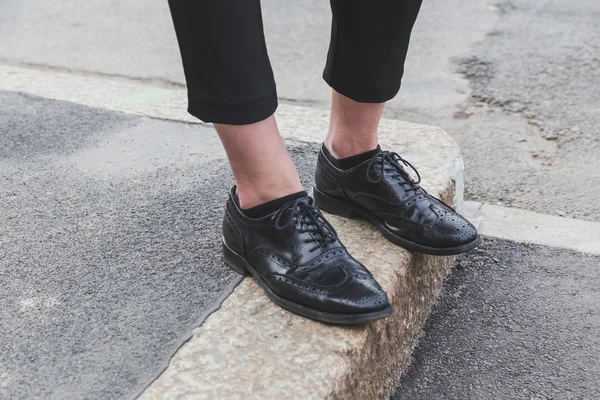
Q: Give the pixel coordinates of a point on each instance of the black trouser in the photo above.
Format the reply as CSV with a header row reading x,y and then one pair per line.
x,y
227,69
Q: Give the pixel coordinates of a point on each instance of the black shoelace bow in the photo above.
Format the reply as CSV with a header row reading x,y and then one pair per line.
x,y
304,216
390,162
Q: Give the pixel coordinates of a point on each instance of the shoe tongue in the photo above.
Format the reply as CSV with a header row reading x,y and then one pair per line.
x,y
308,221
309,202
403,173
293,206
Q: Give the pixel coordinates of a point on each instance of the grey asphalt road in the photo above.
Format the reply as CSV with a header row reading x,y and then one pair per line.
x,y
514,322
514,81
110,245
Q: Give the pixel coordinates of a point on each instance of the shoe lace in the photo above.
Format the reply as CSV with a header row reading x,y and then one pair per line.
x,y
388,161
304,216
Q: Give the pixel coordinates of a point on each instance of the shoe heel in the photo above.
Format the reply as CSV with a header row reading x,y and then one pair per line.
x,y
234,260
333,205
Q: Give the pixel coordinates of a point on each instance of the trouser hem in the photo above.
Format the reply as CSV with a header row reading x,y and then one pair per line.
x,y
234,114
363,95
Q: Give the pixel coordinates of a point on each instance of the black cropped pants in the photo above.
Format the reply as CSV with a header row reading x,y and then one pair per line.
x,y
227,69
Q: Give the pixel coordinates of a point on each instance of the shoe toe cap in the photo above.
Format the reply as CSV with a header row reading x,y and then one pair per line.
x,y
338,286
363,295
454,230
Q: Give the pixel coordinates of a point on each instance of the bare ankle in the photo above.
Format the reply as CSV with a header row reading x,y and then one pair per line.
x,y
347,148
261,165
352,127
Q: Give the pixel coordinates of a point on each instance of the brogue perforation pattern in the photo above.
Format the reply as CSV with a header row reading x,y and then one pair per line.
x,y
235,226
331,178
454,226
305,273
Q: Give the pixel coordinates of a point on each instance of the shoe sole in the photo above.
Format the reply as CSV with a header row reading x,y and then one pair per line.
x,y
239,264
348,210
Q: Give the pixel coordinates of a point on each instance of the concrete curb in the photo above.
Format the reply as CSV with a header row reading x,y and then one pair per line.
x,y
251,348
531,227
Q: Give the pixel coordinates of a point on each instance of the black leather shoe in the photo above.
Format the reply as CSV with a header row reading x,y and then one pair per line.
x,y
297,258
384,192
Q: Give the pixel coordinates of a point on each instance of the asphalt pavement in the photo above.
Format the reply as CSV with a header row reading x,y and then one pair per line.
x,y
515,321
529,129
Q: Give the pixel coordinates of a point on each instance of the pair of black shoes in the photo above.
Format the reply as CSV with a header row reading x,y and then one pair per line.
x,y
296,257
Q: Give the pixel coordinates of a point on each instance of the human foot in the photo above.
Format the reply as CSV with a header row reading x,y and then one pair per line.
x,y
296,257
380,188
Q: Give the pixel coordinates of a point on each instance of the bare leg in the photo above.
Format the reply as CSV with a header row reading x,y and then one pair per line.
x,y
352,126
261,165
